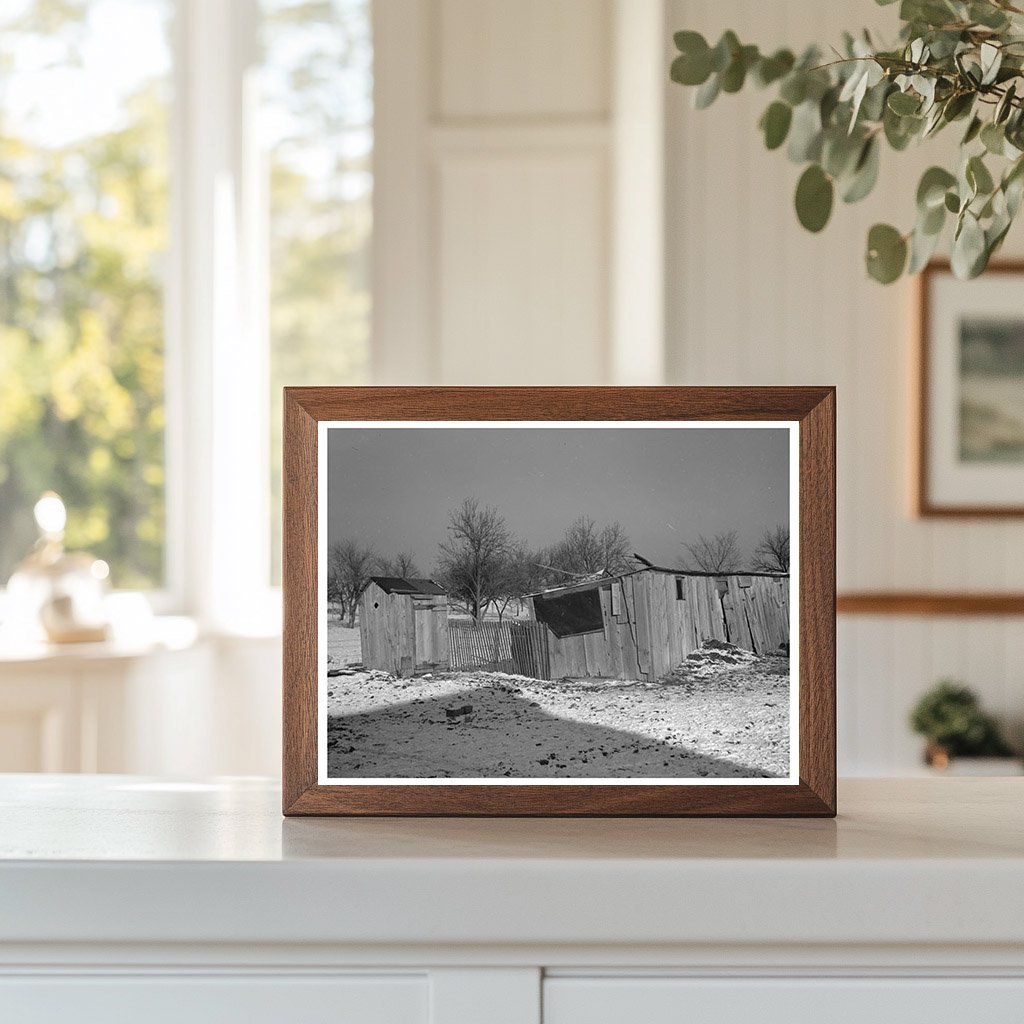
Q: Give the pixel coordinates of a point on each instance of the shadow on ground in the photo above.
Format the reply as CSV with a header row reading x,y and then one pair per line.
x,y
494,732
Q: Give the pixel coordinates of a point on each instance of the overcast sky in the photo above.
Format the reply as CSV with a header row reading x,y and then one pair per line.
x,y
392,488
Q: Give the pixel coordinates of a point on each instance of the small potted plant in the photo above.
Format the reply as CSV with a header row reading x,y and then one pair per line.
x,y
950,717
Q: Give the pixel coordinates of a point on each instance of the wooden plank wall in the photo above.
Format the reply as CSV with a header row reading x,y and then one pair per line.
x,y
387,633
654,631
431,619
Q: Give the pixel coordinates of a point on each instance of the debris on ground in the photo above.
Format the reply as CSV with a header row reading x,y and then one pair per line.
x,y
723,713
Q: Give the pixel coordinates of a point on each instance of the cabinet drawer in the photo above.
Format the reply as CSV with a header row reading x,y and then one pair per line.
x,y
782,1001
202,999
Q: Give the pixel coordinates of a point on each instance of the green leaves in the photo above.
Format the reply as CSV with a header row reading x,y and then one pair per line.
x,y
771,69
887,253
775,122
865,173
969,252
978,177
693,65
904,103
955,60
931,191
814,196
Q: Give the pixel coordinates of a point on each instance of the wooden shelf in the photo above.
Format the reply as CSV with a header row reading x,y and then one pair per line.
x,y
928,603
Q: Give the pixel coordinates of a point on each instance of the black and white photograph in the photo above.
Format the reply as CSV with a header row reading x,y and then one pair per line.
x,y
545,602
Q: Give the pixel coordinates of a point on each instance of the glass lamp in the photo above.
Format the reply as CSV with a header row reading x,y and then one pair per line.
x,y
56,595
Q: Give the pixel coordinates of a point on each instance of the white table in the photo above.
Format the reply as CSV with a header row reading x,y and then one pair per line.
x,y
197,902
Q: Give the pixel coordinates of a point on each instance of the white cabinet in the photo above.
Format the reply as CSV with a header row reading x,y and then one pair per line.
x,y
176,704
201,999
823,1000
127,899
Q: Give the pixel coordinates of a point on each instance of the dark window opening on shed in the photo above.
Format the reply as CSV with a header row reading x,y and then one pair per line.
x,y
680,593
571,614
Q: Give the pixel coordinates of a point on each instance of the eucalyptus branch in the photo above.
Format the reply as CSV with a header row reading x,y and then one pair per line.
x,y
954,60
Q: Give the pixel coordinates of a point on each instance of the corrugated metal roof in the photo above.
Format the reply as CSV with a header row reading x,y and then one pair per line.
x,y
598,581
398,585
425,586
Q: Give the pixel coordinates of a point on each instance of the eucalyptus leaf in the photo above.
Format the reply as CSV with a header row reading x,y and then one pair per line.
x,y
987,15
873,107
775,122
794,88
991,60
840,152
957,106
707,93
735,74
978,176
922,248
886,253
724,51
904,103
968,248
973,130
771,69
691,70
805,133
993,138
931,190
865,173
814,196
932,221
900,130
1005,105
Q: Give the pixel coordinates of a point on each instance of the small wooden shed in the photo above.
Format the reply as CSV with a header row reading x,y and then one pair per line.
x,y
403,625
642,624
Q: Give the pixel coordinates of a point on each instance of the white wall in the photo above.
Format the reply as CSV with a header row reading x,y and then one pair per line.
x,y
501,130
754,299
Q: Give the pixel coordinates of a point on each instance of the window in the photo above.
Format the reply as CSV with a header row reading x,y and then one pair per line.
x,y
185,222
571,614
317,118
680,591
83,237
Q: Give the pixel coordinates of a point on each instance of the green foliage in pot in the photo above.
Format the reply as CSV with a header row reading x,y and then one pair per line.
x,y
957,62
950,717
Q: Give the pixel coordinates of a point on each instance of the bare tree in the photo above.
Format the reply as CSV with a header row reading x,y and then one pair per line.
x,y
350,566
772,552
473,562
720,553
521,575
402,565
584,549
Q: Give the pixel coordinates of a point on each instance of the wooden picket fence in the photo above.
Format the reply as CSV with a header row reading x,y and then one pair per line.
x,y
517,647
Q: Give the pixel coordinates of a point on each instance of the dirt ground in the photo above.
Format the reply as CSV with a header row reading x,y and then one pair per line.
x,y
723,714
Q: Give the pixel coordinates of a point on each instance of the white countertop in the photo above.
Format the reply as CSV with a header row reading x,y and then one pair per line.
x,y
123,859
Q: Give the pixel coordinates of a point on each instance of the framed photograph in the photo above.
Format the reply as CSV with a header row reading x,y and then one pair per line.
x,y
559,601
970,450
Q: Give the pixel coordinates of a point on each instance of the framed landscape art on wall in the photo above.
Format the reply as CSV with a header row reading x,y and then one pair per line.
x,y
559,601
970,450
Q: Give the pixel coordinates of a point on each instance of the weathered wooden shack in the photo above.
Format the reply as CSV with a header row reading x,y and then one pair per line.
x,y
403,625
642,624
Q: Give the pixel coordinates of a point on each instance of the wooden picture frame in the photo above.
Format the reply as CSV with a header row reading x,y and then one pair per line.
x,y
941,489
810,788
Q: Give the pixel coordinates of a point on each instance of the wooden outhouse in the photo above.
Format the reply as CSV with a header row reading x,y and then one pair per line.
x,y
642,624
403,625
